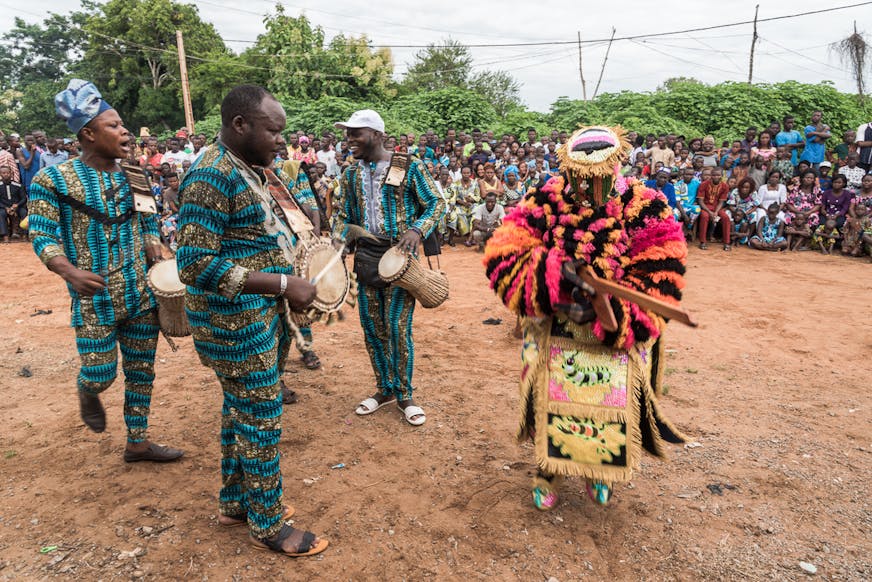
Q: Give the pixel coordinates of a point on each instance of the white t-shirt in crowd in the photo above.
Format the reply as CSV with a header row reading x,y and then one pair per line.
x,y
489,219
176,159
328,158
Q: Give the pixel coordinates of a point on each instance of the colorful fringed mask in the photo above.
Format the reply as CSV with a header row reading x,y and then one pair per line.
x,y
591,159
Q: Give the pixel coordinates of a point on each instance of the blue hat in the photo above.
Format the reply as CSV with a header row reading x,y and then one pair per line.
x,y
513,169
79,103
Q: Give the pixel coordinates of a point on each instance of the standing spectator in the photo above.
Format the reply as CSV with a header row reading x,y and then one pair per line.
x,y
764,148
661,153
327,156
824,179
750,141
783,165
708,153
305,153
816,136
28,160
53,155
13,204
839,155
711,197
9,160
790,138
864,145
176,156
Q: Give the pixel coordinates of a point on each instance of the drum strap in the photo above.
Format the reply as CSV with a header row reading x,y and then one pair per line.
x,y
295,218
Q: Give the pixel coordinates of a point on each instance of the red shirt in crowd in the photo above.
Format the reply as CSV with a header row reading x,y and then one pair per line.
x,y
710,194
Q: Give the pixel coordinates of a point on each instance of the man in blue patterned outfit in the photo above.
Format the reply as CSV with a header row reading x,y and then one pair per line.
x,y
83,227
405,215
236,255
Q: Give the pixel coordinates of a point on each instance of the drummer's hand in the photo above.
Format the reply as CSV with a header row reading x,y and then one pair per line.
x,y
153,254
84,282
300,293
409,241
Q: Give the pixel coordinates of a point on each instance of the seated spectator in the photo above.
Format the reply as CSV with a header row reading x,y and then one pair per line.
x,y
13,205
804,199
711,197
685,195
770,231
741,228
798,233
490,183
744,199
852,171
859,214
824,179
662,184
836,202
826,236
486,218
514,190
783,165
772,192
757,171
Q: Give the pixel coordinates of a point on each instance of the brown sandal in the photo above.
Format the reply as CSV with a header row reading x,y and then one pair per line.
x,y
304,549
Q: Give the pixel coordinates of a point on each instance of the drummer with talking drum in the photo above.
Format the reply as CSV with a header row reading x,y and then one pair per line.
x,y
412,211
87,227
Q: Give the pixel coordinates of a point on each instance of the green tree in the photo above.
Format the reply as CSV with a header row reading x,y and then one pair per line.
x,y
302,65
131,53
438,66
499,88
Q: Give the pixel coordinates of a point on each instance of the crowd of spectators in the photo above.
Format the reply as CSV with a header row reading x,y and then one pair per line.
x,y
779,188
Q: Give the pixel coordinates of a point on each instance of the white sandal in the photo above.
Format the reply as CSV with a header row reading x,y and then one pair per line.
x,y
370,405
411,411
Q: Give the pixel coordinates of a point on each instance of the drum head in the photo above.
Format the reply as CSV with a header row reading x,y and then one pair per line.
x,y
331,289
164,278
392,264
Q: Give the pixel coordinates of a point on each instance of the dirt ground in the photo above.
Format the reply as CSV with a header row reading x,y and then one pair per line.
x,y
772,387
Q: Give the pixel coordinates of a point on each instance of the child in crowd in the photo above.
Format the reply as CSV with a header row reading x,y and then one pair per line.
x,y
770,231
825,181
854,230
826,236
798,233
741,228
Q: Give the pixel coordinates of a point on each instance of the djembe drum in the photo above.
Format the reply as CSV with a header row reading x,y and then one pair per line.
x,y
429,287
163,279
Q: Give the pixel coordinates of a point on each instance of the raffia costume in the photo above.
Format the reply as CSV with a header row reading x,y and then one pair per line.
x,y
588,396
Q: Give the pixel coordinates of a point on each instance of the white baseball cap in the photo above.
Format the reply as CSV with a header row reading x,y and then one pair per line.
x,y
363,118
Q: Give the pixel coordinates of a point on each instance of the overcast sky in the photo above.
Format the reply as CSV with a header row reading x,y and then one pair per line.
x,y
795,48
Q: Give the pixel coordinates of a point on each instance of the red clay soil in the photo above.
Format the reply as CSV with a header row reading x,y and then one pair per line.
x,y
773,388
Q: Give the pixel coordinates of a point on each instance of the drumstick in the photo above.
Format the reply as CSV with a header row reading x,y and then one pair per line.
x,y
336,258
641,299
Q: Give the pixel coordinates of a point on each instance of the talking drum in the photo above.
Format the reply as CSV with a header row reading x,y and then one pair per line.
x,y
163,278
427,286
318,260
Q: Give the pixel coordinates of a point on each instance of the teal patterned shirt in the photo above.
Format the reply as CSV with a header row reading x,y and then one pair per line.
x,y
116,252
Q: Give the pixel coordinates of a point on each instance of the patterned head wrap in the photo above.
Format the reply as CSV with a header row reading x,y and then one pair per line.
x,y
79,103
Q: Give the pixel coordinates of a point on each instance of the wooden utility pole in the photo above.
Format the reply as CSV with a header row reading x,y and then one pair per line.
x,y
605,58
581,70
753,43
186,91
